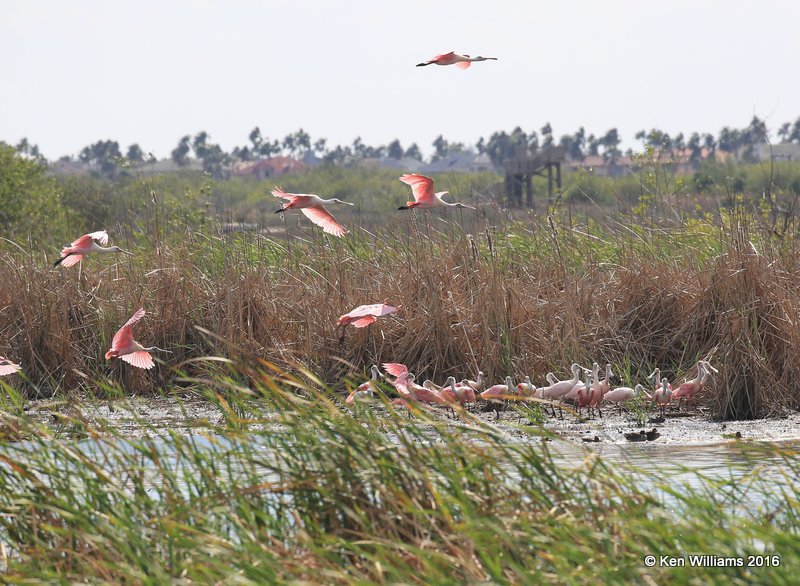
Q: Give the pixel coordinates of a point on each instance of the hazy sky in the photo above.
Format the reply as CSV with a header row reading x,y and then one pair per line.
x,y
72,73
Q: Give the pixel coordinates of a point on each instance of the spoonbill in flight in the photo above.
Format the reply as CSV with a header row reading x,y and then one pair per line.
x,y
86,244
312,207
364,315
424,195
124,347
453,58
8,367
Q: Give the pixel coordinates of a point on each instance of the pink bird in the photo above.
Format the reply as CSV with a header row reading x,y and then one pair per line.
x,y
124,347
570,393
8,367
690,388
364,315
424,195
622,395
527,388
311,206
584,397
457,393
495,394
365,391
663,395
452,58
656,378
86,244
405,385
476,385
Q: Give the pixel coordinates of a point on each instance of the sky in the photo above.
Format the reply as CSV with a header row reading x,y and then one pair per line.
x,y
149,72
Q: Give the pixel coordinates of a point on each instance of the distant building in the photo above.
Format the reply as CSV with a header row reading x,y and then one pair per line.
x,y
785,151
678,161
597,165
167,166
69,167
271,167
405,164
466,162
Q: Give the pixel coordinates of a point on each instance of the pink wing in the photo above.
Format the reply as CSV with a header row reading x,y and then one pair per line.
x,y
101,236
421,186
140,359
278,192
124,337
8,367
71,260
363,322
444,57
395,368
377,310
323,218
463,64
84,241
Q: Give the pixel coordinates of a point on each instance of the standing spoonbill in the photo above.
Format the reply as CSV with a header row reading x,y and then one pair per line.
x,y
124,347
476,384
405,385
690,388
8,367
495,394
312,207
559,389
622,395
453,58
527,388
424,195
365,391
663,395
86,244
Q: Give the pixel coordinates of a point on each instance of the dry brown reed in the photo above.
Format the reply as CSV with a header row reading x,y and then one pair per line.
x,y
506,300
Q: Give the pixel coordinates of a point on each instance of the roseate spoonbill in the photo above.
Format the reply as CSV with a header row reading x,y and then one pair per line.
x,y
453,393
663,395
312,207
86,244
8,367
404,383
573,393
584,398
495,394
690,388
599,387
605,384
453,58
477,384
423,394
424,195
401,374
551,378
526,389
622,395
364,315
124,347
560,389
365,391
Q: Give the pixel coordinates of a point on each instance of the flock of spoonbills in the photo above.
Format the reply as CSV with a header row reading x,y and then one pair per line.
x,y
591,393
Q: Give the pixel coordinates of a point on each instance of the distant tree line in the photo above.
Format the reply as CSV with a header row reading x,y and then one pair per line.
x,y
107,156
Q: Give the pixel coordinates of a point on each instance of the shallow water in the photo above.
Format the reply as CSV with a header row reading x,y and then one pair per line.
x,y
699,467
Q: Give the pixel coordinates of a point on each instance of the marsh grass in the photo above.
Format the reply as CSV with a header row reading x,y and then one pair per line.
x,y
491,291
292,486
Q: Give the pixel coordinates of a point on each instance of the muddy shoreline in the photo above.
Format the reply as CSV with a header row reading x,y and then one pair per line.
x,y
683,429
